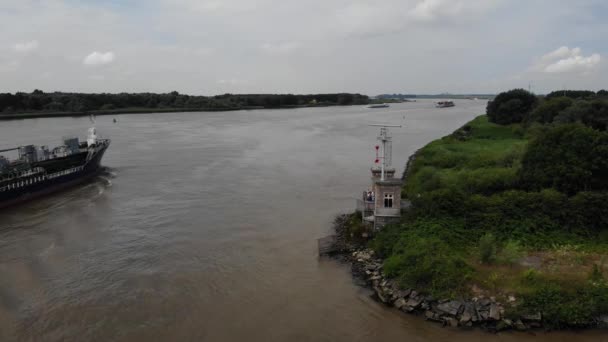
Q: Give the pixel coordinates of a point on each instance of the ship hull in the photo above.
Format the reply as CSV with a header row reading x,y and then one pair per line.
x,y
50,186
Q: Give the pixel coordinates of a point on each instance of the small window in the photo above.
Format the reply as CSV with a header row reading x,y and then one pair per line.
x,y
388,200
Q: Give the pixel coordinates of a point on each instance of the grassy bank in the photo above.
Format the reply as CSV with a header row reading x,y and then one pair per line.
x,y
479,227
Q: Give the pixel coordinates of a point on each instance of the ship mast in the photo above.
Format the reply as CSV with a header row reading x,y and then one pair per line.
x,y
92,137
387,147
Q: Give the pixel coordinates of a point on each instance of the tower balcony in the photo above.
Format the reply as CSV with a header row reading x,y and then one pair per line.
x,y
388,212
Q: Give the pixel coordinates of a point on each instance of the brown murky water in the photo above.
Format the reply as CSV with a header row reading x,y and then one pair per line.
x,y
205,229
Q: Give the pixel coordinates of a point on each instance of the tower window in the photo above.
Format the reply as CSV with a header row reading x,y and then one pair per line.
x,y
388,200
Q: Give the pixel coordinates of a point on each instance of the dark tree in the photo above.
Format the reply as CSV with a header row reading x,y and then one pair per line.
x,y
549,109
511,106
38,101
569,158
573,94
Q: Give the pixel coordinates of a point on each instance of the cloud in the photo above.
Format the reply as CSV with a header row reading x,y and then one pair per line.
x,y
566,60
372,19
322,45
431,10
9,66
233,82
280,48
25,47
99,58
214,6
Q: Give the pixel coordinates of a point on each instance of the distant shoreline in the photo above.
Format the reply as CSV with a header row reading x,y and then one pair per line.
x,y
38,115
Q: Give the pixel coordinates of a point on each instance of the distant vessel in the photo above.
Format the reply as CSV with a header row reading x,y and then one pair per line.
x,y
378,105
445,104
39,171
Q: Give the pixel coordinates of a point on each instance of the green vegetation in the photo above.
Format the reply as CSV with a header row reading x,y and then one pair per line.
x,y
514,203
39,102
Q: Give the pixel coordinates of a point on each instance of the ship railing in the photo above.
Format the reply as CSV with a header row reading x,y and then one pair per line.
x,y
66,172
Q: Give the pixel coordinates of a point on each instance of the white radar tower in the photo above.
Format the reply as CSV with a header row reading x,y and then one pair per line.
x,y
385,138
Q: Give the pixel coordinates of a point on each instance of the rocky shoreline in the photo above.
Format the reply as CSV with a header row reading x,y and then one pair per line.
x,y
482,312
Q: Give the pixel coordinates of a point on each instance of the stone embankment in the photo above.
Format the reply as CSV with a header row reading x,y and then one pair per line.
x,y
478,311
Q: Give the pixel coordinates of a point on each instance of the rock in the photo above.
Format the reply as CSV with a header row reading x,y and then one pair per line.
x,y
370,267
430,315
603,321
451,308
494,312
483,315
469,309
403,293
399,303
511,299
452,322
407,308
413,302
466,317
537,317
382,297
501,325
519,325
483,302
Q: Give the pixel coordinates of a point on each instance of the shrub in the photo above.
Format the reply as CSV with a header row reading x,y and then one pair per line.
x,y
428,264
386,239
511,253
596,276
572,306
487,248
530,276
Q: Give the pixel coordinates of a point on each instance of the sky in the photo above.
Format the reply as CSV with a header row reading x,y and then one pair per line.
x,y
209,47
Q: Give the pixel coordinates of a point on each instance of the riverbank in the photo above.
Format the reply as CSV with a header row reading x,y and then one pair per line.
x,y
366,265
476,240
36,115
39,104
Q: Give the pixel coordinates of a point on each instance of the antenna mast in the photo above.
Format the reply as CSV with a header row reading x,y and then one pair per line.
x,y
387,147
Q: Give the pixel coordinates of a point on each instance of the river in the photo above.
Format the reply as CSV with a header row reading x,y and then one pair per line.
x,y
204,228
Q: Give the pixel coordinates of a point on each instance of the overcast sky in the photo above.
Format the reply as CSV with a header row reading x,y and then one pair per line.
x,y
303,46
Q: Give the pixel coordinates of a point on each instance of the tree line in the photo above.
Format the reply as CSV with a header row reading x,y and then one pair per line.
x,y
568,149
39,101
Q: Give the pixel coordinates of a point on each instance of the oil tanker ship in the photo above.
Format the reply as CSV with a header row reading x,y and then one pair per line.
x,y
38,171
